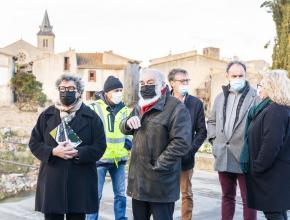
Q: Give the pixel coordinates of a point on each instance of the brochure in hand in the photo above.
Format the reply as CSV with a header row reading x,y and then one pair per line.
x,y
63,132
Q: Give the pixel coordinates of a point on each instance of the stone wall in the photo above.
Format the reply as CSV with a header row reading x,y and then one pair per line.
x,y
12,184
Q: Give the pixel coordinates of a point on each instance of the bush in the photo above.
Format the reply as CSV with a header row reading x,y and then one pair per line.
x,y
205,148
28,91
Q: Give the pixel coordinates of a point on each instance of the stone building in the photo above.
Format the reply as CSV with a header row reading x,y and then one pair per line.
x,y
94,68
6,73
47,66
206,71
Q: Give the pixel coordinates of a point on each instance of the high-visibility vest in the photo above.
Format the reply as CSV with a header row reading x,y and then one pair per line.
x,y
115,139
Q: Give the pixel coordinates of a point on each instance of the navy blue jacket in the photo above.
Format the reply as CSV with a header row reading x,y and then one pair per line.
x,y
199,133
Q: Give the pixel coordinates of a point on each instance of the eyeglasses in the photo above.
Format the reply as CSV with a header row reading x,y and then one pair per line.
x,y
69,89
183,81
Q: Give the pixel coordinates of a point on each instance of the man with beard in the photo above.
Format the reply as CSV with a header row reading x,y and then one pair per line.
x,y
161,129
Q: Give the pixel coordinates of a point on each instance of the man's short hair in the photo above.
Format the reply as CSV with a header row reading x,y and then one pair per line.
x,y
158,75
230,64
173,72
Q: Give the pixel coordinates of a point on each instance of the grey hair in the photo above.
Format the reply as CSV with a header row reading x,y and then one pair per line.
x,y
277,85
70,77
158,75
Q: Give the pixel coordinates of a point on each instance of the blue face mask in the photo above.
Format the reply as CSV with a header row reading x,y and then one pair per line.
x,y
237,84
183,89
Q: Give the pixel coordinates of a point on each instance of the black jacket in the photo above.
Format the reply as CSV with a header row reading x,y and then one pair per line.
x,y
158,145
199,133
268,181
68,186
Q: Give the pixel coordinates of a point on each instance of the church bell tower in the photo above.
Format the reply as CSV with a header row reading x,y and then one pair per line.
x,y
45,36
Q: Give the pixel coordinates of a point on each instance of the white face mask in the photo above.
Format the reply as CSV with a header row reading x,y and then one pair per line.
x,y
237,84
183,89
117,97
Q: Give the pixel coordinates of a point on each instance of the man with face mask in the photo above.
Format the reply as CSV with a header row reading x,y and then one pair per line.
x,y
111,109
161,129
226,127
179,82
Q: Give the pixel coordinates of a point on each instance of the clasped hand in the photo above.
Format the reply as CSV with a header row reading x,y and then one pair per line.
x,y
65,150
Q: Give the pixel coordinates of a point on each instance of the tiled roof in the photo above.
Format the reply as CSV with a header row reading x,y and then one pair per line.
x,y
95,61
89,59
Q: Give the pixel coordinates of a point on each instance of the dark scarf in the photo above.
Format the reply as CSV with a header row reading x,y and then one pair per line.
x,y
253,113
226,90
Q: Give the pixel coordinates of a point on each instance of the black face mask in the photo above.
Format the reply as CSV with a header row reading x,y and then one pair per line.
x,y
148,91
67,98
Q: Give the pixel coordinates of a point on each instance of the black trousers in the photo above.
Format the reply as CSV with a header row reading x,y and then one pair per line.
x,y
69,216
276,215
161,211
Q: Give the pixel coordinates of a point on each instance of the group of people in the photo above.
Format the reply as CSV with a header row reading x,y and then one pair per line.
x,y
78,144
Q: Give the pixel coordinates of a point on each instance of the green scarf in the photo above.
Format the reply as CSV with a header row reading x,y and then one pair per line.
x,y
253,113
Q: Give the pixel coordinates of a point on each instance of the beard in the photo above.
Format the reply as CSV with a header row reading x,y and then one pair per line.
x,y
143,102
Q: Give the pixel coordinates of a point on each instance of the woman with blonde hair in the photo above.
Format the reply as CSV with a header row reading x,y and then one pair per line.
x,y
266,154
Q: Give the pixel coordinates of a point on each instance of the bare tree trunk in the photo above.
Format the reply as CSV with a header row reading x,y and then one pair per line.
x,y
131,83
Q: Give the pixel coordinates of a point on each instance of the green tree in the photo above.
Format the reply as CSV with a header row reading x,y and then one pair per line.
x,y
280,10
28,91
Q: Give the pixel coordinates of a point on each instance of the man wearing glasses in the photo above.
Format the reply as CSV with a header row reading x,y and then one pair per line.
x,y
161,129
179,82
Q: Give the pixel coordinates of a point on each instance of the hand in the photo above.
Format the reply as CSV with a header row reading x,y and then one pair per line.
x,y
134,122
64,150
71,151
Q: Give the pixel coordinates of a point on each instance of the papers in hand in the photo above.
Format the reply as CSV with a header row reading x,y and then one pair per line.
x,y
63,132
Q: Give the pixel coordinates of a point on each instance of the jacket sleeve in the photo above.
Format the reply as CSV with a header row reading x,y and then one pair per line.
x,y
200,132
180,136
93,152
39,149
123,125
211,124
128,138
273,135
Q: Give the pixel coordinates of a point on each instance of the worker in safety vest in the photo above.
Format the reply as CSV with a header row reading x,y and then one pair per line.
x,y
111,110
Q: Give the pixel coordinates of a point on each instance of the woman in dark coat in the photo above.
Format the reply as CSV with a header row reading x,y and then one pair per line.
x,y
268,143
68,139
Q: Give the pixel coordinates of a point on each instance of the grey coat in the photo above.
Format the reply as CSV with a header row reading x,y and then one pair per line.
x,y
227,150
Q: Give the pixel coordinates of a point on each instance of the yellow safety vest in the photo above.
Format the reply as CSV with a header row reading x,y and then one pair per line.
x,y
115,139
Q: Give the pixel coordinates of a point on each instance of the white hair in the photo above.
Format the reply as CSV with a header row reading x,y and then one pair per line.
x,y
277,85
159,84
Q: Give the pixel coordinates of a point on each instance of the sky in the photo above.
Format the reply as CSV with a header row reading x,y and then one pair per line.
x,y
144,29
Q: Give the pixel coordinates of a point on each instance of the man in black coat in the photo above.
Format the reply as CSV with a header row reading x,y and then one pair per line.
x,y
68,139
179,82
161,129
